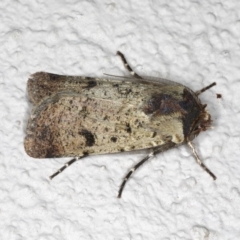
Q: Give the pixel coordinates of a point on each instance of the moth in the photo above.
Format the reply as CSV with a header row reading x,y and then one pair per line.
x,y
76,116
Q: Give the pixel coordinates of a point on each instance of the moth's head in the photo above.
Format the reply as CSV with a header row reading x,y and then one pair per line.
x,y
201,120
202,123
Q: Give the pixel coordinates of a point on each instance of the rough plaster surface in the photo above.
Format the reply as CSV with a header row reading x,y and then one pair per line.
x,y
170,197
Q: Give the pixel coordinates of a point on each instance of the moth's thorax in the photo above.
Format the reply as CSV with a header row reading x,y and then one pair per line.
x,y
178,111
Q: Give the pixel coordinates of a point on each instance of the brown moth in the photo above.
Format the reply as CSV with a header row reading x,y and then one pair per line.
x,y
77,116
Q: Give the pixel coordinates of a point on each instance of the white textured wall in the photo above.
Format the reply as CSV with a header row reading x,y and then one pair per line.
x,y
170,197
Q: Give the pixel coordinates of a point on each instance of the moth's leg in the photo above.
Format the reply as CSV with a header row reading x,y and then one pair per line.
x,y
205,88
200,162
127,65
67,164
152,153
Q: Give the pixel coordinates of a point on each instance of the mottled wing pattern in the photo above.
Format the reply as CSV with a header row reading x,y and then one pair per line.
x,y
42,85
76,115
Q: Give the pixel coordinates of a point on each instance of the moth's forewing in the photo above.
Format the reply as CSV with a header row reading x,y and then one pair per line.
x,y
106,116
42,85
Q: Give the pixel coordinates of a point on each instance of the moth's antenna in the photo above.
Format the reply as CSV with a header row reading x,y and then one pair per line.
x,y
205,88
190,144
111,75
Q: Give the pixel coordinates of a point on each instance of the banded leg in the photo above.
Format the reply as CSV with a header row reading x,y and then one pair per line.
x,y
205,88
153,152
127,65
131,171
67,164
200,162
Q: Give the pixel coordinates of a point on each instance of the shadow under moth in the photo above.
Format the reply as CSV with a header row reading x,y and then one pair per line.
x,y
76,116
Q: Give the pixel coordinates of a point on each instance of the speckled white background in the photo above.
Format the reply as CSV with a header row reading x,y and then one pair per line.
x,y
170,197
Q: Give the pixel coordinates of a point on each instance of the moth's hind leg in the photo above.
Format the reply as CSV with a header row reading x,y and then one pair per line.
x,y
132,170
67,164
152,153
127,65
